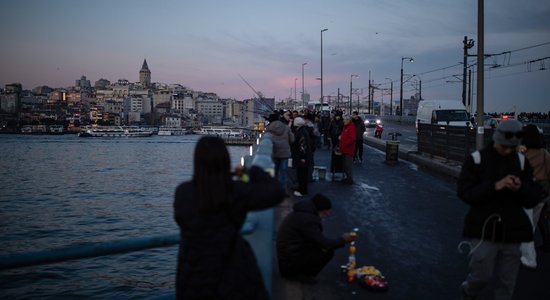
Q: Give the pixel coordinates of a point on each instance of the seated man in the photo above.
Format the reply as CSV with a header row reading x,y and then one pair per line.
x,y
302,249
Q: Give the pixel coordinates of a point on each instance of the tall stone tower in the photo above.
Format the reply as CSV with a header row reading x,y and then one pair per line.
x,y
145,75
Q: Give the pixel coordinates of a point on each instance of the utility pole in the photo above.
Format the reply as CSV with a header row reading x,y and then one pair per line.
x,y
480,73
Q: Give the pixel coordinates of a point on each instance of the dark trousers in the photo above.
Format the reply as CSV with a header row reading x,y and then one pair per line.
x,y
358,150
308,263
302,174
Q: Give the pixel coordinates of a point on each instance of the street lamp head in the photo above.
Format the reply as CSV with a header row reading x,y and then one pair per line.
x,y
324,30
304,64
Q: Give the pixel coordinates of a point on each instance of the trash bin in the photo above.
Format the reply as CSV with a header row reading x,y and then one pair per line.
x,y
392,152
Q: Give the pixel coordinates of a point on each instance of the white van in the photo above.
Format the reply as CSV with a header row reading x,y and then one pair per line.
x,y
443,112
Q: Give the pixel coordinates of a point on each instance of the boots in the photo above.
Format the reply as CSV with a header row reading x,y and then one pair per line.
x,y
544,227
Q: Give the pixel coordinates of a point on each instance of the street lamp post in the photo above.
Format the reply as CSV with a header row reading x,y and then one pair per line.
x,y
303,90
350,89
295,99
401,85
391,96
322,67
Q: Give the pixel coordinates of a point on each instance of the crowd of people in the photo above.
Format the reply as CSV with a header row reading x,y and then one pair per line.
x,y
506,184
296,136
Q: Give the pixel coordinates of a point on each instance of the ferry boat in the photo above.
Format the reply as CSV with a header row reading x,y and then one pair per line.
x,y
172,131
221,131
114,131
56,129
34,129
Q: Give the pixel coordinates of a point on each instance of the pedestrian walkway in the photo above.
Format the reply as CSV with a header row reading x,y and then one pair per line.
x,y
410,225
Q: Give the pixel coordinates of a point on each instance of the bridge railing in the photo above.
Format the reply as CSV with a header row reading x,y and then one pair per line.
x,y
453,143
450,142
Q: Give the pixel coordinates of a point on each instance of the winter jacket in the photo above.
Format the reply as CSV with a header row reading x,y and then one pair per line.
x,y
540,161
499,213
301,232
335,129
282,137
347,140
301,148
214,260
360,127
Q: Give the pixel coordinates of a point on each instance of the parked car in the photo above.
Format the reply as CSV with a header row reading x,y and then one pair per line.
x,y
493,122
371,120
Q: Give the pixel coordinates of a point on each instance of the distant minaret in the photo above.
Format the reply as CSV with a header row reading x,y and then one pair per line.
x,y
145,75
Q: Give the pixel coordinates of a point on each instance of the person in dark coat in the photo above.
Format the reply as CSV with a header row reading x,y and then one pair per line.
x,y
301,155
302,249
335,130
360,130
214,260
497,186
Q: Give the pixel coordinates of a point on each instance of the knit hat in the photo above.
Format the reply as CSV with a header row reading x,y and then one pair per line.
x,y
508,133
273,117
299,122
321,202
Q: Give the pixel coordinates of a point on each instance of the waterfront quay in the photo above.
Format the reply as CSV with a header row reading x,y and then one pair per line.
x,y
410,223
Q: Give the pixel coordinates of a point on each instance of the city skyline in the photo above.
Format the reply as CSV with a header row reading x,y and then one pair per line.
x,y
206,45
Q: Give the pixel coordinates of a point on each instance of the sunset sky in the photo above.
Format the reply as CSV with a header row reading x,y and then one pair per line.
x,y
206,44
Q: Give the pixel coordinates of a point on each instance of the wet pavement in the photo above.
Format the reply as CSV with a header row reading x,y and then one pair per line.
x,y
410,224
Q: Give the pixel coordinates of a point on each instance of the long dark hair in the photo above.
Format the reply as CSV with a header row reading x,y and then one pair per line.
x,y
532,138
212,174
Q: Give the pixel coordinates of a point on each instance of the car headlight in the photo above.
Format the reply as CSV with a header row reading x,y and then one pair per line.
x,y
378,121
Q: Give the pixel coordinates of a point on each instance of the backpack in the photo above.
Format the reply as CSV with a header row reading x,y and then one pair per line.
x,y
477,158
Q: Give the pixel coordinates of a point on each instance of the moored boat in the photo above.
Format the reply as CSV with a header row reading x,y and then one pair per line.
x,y
56,129
114,131
221,131
172,131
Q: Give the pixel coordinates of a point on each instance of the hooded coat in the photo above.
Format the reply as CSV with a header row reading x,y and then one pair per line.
x,y
214,260
301,233
282,137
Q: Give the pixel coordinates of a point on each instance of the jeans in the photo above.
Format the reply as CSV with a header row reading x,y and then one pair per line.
x,y
281,170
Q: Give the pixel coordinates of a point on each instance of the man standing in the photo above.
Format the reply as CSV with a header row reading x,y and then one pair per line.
x,y
497,183
360,128
347,148
301,155
302,249
282,138
335,129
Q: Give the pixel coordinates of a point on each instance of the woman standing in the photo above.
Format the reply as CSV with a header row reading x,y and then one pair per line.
x,y
533,147
214,260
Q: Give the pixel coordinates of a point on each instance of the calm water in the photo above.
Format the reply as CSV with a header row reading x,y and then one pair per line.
x,y
58,191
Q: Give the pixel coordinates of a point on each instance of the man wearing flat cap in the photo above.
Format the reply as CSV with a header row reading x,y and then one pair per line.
x,y
497,183
302,249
